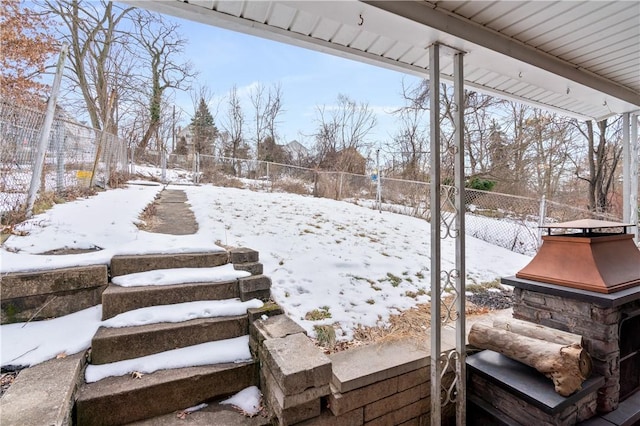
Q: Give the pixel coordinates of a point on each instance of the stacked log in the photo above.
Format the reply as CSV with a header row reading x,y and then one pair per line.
x,y
556,354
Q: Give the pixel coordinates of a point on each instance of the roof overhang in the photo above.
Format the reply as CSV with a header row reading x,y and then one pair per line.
x,y
581,59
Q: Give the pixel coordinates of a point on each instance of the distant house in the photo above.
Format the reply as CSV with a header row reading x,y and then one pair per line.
x,y
298,153
184,140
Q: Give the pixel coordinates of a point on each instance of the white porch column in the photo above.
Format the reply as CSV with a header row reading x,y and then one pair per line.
x,y
434,188
630,171
447,223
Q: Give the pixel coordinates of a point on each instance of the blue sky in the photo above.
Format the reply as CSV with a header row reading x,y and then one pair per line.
x,y
308,78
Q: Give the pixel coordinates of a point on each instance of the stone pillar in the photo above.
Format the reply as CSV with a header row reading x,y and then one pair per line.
x,y
596,324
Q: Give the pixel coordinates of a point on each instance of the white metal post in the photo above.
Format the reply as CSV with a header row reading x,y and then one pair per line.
x,y
46,130
460,269
447,225
635,171
378,183
626,168
434,187
630,171
542,213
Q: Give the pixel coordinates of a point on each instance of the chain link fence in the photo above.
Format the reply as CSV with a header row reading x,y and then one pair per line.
x,y
509,221
74,154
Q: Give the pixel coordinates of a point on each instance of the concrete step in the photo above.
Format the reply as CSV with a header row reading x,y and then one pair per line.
x,y
43,394
116,299
124,399
129,264
50,293
116,344
213,414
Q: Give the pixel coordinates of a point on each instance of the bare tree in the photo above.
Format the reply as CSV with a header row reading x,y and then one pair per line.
x,y
551,143
100,69
161,46
527,151
477,131
510,150
342,133
603,155
257,97
411,143
233,125
273,110
267,106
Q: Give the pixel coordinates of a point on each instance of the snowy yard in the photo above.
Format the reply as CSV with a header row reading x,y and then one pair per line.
x,y
330,261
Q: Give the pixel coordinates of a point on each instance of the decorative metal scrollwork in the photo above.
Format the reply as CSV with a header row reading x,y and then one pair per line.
x,y
448,212
449,287
448,361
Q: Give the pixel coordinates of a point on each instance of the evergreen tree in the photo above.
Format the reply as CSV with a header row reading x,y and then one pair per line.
x,y
204,129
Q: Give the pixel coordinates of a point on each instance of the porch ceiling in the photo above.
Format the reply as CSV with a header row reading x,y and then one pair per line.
x,y
581,58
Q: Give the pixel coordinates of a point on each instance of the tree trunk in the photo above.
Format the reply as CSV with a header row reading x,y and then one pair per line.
x,y
566,365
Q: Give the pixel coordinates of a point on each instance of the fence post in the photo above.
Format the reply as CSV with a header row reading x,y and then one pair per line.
x,y
46,129
379,182
541,218
196,167
340,187
132,166
315,183
60,139
108,158
163,165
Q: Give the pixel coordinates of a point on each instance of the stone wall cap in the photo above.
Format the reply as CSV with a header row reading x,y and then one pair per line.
x,y
364,365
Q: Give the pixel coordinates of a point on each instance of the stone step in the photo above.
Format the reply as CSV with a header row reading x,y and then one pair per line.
x,y
117,299
43,394
129,264
121,400
213,414
116,344
50,293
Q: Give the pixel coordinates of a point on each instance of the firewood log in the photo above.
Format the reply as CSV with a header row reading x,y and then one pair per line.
x,y
537,331
568,366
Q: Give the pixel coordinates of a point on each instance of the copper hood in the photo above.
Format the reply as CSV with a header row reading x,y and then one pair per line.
x,y
603,262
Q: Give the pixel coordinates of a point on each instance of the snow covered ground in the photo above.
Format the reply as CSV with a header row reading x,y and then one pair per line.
x,y
330,261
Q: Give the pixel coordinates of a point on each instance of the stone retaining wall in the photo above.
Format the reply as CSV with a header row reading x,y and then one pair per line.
x,y
378,384
53,293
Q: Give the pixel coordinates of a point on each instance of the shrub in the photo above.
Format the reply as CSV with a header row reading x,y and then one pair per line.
x,y
318,314
481,184
326,335
290,186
